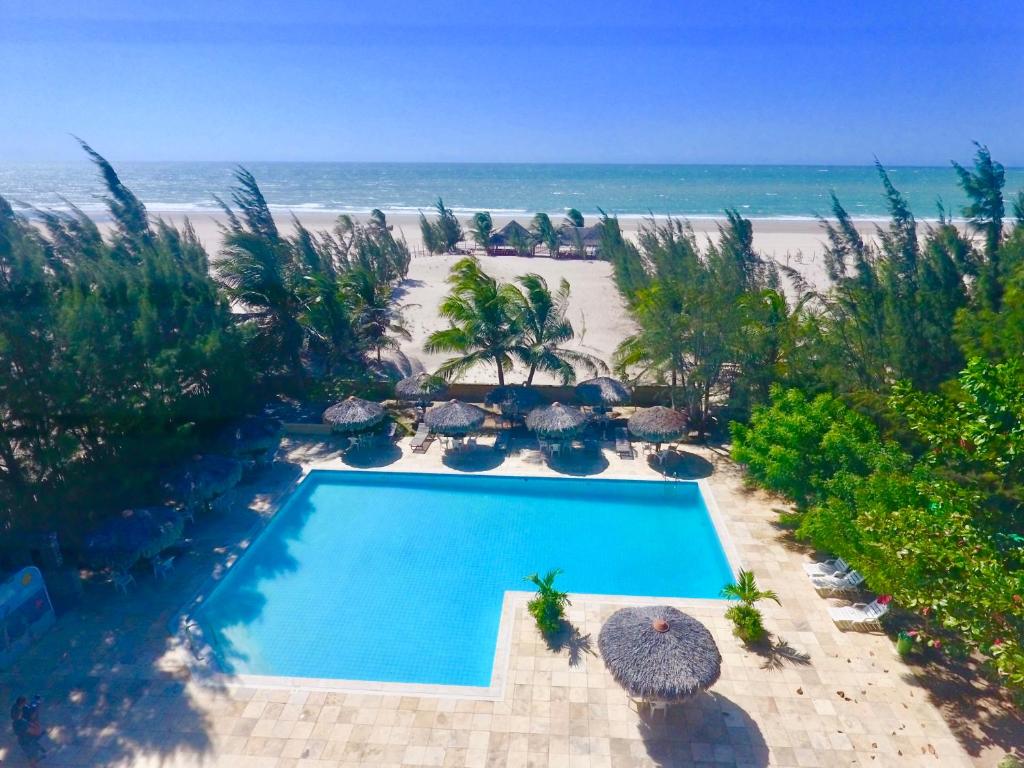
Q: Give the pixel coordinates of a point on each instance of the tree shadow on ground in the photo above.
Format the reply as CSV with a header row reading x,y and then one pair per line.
x,y
569,638
403,287
709,728
978,711
579,463
681,465
777,652
372,456
477,459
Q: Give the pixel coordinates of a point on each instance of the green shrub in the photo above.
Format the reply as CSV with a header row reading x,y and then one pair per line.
x,y
548,607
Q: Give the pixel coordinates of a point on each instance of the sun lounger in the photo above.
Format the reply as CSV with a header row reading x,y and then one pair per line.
x,y
622,445
422,439
837,585
860,616
837,567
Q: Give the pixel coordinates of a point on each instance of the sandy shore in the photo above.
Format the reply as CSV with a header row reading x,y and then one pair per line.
x,y
596,310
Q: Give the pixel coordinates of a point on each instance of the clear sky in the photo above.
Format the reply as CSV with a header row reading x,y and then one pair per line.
x,y
911,81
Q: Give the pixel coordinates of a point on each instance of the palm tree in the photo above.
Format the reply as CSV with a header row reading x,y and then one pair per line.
x,y
545,327
482,230
485,317
574,218
378,322
545,233
746,619
548,606
746,590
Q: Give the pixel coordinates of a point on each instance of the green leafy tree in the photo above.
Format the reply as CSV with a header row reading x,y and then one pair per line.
x,y
574,218
548,607
442,234
984,188
545,233
378,321
483,230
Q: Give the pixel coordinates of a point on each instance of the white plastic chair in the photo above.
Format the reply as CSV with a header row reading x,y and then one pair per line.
x,y
837,567
837,585
860,616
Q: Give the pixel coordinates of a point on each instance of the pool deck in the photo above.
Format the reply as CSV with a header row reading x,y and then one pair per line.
x,y
120,691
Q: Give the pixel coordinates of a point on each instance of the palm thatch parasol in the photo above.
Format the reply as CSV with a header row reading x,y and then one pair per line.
x,y
455,418
134,534
421,388
658,653
255,437
557,421
603,392
354,415
513,400
658,424
202,479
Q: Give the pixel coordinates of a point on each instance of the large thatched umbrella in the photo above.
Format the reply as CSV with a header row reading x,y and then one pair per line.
x,y
354,415
602,392
658,424
514,400
557,421
455,418
252,437
134,534
202,479
421,388
658,653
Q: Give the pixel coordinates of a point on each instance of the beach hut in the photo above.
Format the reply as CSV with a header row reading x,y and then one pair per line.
x,y
658,425
659,654
513,239
580,242
354,415
421,388
455,418
603,393
514,400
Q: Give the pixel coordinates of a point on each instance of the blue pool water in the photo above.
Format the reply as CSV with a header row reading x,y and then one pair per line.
x,y
400,577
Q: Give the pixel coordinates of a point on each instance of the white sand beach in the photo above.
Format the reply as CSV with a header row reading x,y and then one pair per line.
x,y
596,309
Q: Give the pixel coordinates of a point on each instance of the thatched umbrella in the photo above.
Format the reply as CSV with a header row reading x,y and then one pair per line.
x,y
134,534
658,424
658,653
602,392
354,415
455,418
557,421
254,437
203,479
513,400
421,388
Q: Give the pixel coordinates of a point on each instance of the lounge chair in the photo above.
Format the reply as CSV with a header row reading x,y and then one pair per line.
x,y
837,585
860,616
162,566
837,567
470,442
422,439
623,447
121,581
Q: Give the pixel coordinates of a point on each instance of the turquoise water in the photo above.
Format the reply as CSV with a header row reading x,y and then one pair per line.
x,y
767,191
400,577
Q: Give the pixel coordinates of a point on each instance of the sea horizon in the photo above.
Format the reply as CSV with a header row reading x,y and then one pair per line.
x,y
627,190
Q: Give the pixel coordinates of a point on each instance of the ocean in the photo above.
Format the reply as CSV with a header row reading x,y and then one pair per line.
x,y
757,191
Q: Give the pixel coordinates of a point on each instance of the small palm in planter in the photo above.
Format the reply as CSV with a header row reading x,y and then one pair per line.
x,y
748,625
549,604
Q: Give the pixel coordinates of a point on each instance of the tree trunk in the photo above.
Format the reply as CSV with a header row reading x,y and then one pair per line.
x,y
501,373
529,377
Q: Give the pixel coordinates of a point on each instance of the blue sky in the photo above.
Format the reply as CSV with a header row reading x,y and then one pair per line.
x,y
912,82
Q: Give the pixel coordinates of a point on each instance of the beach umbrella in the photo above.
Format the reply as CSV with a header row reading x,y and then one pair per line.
x,y
203,478
354,415
556,421
513,400
134,534
658,653
658,424
252,436
602,392
421,388
454,418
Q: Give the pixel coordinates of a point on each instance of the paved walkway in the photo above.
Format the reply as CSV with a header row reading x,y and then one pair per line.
x,y
118,692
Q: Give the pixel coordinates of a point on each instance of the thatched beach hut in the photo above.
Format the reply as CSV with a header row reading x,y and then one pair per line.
x,y
354,415
659,654
455,418
513,239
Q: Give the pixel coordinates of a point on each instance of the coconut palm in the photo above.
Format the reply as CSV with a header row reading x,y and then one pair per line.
x,y
545,233
574,218
485,317
378,322
548,605
482,229
545,328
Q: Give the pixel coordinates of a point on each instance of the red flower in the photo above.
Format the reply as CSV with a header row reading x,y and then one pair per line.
x,y
997,641
884,599
1018,599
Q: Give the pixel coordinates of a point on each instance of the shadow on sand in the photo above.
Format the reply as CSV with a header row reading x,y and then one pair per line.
x,y
568,638
681,465
707,729
777,652
478,459
373,456
579,463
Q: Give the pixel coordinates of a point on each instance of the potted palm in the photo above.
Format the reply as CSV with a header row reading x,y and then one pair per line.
x,y
748,624
548,606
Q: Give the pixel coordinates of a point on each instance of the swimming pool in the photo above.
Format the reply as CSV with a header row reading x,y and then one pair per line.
x,y
398,577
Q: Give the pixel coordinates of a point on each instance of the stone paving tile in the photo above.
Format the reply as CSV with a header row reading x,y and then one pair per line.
x,y
118,691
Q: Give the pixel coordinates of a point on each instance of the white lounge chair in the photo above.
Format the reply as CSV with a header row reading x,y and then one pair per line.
x,y
837,567
622,445
837,585
860,616
421,440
